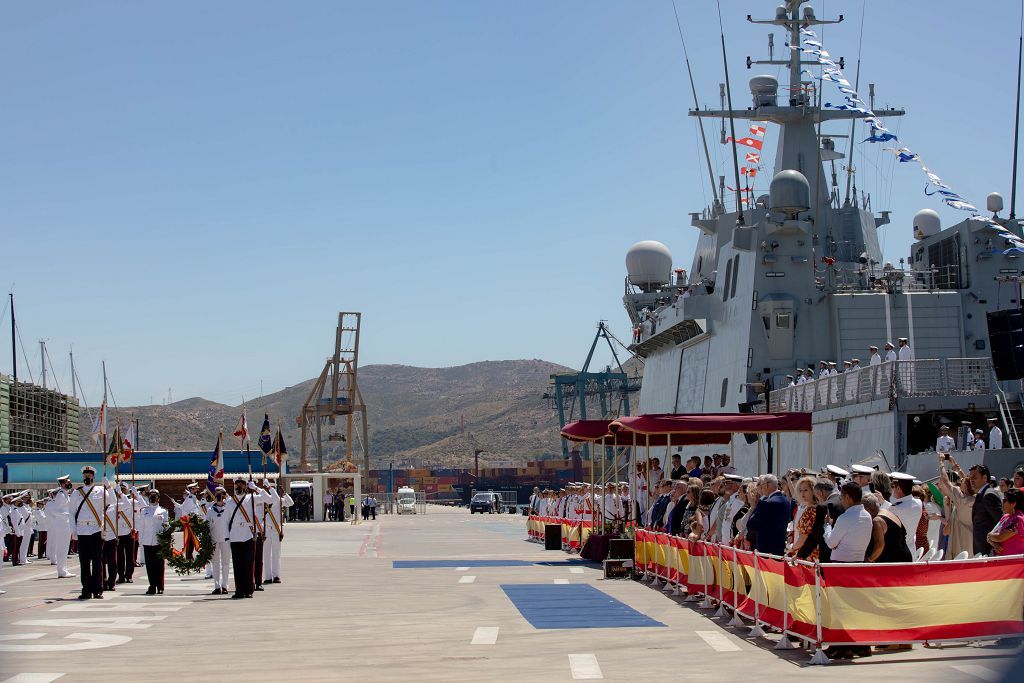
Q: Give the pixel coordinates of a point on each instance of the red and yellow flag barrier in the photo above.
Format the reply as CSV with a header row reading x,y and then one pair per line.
x,y
885,603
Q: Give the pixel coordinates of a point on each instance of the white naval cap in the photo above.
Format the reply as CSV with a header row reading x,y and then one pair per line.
x,y
88,468
64,477
732,477
861,469
901,476
838,471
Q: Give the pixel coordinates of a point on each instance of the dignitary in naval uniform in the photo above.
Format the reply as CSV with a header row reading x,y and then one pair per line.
x,y
58,516
242,508
110,540
151,521
861,474
995,434
906,506
86,525
945,443
221,562
275,532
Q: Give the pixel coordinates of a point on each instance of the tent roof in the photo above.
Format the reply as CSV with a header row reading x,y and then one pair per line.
x,y
710,424
599,430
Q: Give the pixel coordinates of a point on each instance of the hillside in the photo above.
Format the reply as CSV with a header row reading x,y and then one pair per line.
x,y
417,416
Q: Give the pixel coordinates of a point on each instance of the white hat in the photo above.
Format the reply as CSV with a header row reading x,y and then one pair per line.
x,y
861,469
266,481
993,419
902,339
88,468
220,489
901,476
838,471
191,486
732,477
889,344
64,477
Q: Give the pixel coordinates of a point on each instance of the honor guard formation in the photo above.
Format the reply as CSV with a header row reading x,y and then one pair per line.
x,y
114,528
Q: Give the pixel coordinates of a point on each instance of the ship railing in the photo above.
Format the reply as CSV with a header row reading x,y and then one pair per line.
x,y
889,380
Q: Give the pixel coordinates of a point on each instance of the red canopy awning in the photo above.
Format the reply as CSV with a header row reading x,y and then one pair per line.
x,y
711,424
599,431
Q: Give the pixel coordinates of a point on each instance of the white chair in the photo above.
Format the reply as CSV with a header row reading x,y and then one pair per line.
x,y
938,557
962,555
931,554
978,556
920,553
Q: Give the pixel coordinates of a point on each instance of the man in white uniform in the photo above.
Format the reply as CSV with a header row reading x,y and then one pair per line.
x,y
20,516
890,352
906,356
275,533
906,507
945,443
995,434
861,474
221,561
241,509
979,440
59,535
86,523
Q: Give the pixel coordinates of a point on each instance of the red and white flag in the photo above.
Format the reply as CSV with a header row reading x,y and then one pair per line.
x,y
749,142
753,157
129,443
758,131
243,431
750,172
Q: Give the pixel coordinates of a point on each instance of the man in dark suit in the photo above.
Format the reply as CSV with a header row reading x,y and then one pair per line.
x,y
770,518
658,509
988,508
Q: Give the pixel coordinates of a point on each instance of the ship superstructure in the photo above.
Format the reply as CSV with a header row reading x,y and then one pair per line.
x,y
796,277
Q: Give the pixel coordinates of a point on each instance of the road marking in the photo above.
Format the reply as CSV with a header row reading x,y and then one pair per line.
x,y
93,641
585,667
35,575
485,635
94,622
467,579
978,671
718,641
33,678
122,607
462,569
576,570
561,581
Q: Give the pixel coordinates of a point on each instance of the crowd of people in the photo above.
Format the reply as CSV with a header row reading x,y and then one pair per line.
x,y
113,528
835,515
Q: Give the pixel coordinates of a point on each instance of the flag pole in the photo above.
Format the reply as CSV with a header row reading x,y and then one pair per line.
x,y
280,489
103,429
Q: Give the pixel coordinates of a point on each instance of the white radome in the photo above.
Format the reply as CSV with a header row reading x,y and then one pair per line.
x,y
649,263
926,224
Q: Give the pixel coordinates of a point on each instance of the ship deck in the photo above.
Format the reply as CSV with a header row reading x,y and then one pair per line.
x,y
416,598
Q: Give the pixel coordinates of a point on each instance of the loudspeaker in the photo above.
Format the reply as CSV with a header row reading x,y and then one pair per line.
x,y
1006,340
552,537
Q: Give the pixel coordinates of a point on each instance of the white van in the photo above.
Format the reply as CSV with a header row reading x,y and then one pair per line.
x,y
405,500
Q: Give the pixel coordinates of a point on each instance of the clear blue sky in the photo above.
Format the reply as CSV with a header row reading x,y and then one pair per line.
x,y
192,190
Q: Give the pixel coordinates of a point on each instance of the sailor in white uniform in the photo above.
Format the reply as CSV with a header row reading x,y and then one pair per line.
x,y
221,562
906,356
906,507
275,533
890,352
20,515
995,434
151,522
862,475
86,523
945,443
241,509
979,440
58,514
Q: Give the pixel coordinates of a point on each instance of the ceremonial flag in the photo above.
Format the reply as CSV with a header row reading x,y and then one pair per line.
x,y
115,452
751,172
128,443
99,425
243,430
753,157
758,131
216,467
280,450
265,442
749,142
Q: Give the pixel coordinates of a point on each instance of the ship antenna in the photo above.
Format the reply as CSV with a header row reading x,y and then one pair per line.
x,y
732,122
851,169
1016,123
696,104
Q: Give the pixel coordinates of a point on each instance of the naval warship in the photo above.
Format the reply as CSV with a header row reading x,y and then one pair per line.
x,y
796,277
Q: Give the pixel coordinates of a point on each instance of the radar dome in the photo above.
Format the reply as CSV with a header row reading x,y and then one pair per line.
x,y
926,224
995,202
789,193
765,90
649,263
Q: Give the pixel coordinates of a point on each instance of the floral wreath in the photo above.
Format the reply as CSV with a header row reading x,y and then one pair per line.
x,y
197,530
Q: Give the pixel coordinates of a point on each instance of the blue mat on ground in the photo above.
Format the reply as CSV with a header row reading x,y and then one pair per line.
x,y
440,564
547,605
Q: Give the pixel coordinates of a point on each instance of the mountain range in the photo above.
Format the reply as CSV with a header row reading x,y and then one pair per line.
x,y
417,417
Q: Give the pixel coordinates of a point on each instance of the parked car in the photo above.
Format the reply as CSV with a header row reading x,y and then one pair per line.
x,y
485,501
